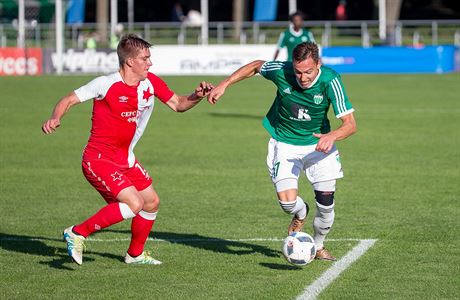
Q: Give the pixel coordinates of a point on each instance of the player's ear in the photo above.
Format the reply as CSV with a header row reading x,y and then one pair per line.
x,y
129,62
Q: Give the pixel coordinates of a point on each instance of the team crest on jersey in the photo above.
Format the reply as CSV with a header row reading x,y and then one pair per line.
x,y
318,98
123,99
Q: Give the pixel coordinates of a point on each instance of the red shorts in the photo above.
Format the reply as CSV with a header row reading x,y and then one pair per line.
x,y
109,178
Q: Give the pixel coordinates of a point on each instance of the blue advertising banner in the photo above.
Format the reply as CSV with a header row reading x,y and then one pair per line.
x,y
265,10
76,12
430,59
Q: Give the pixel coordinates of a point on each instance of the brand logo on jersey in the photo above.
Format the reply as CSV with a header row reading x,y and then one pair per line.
x,y
123,99
131,115
318,99
299,113
302,115
291,39
287,91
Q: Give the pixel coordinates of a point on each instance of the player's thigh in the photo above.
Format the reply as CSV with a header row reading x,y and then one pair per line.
x,y
324,166
106,177
284,165
142,181
139,176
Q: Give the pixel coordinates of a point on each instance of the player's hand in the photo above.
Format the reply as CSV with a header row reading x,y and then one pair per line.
x,y
325,143
51,125
203,89
216,93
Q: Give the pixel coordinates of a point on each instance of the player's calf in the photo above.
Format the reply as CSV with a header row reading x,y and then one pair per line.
x,y
323,221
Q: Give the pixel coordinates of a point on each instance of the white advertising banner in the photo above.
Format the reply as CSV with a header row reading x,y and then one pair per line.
x,y
167,60
207,60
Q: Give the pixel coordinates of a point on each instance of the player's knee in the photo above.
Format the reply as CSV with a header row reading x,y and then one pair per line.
x,y
325,199
136,204
152,203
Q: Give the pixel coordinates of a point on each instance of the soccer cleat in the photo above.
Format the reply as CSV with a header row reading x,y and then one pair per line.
x,y
323,254
75,245
143,259
296,225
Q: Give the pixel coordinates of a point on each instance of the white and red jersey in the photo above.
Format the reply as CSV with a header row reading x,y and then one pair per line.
x,y
120,114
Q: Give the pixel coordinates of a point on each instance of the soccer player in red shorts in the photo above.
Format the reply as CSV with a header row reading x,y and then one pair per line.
x,y
123,103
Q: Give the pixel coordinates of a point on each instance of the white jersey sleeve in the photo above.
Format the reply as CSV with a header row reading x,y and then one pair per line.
x,y
95,89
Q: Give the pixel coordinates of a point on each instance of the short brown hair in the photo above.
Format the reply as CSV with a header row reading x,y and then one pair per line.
x,y
305,50
128,47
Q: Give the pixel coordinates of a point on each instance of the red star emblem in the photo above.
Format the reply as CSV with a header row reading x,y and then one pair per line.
x,y
147,94
116,176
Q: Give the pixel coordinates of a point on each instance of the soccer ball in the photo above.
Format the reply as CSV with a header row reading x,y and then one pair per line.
x,y
299,248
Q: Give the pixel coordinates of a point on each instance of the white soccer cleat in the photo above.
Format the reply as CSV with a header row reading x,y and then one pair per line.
x,y
143,259
75,245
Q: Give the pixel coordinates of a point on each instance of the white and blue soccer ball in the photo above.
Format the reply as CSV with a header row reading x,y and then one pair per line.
x,y
299,248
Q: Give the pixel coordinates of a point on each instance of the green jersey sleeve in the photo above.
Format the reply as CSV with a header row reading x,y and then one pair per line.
x,y
338,97
270,69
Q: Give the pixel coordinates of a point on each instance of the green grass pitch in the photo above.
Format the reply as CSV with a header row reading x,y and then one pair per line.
x,y
401,186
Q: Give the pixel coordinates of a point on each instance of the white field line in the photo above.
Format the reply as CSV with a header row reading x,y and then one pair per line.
x,y
313,290
190,240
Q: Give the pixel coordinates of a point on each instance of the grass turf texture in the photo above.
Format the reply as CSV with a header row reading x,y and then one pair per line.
x,y
401,187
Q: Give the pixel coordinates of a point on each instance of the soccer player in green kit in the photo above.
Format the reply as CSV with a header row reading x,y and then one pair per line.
x,y
301,137
294,35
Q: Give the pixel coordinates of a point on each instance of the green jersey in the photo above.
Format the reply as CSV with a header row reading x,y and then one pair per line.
x,y
299,112
291,38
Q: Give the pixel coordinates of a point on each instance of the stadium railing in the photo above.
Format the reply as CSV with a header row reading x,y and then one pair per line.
x,y
327,33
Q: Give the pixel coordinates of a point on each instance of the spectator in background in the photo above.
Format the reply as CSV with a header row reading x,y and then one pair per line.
x,y
294,35
193,19
177,14
91,40
115,38
341,11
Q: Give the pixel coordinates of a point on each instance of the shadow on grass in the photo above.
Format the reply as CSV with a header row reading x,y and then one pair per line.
x,y
35,245
280,266
209,243
236,116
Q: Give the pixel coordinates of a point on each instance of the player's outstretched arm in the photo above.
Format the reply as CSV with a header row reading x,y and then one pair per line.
x,y
183,103
244,72
59,110
326,141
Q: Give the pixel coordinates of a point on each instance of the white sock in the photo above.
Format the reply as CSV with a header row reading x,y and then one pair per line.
x,y
126,212
148,215
297,207
322,223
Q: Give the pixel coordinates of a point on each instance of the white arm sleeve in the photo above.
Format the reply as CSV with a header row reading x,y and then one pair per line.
x,y
95,89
